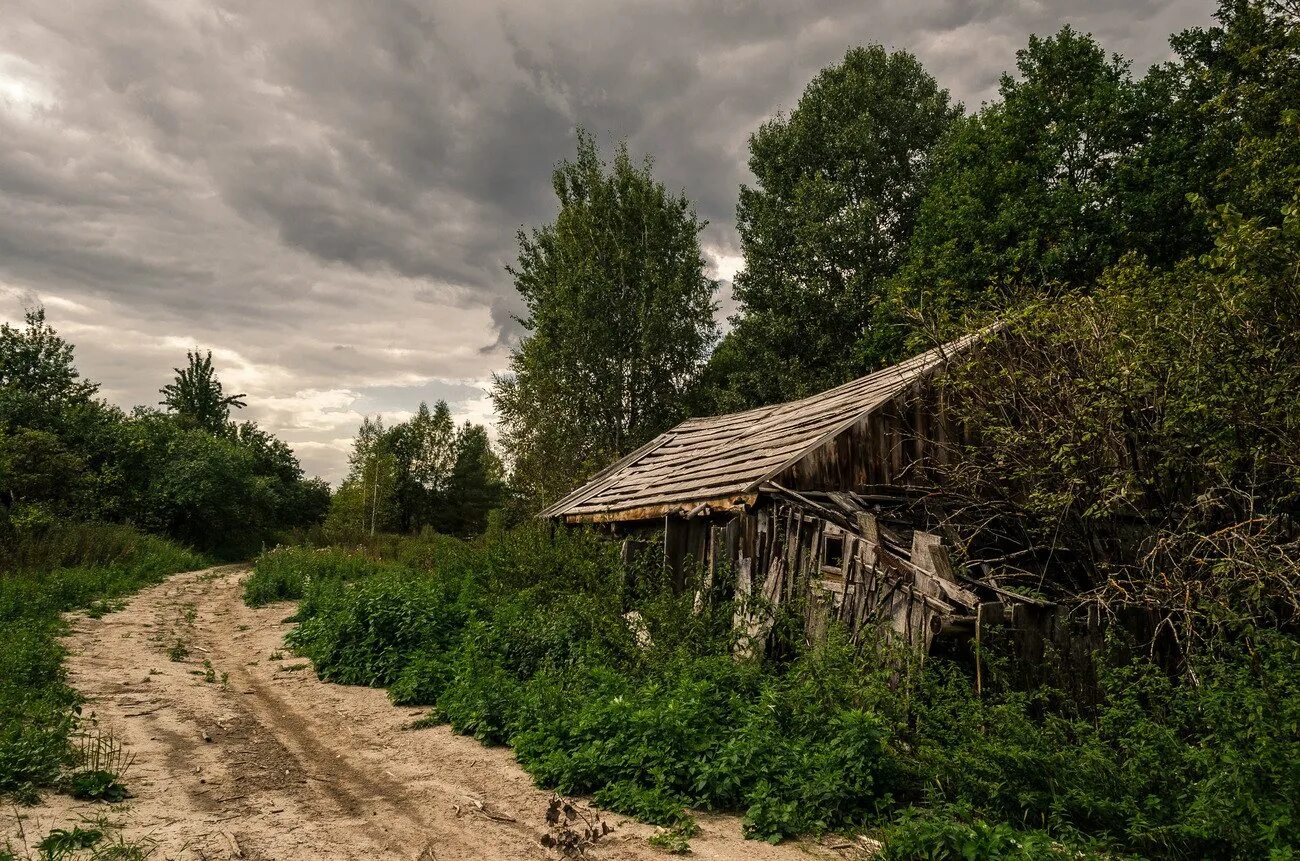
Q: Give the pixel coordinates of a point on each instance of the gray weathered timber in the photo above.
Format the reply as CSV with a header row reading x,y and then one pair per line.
x,y
874,430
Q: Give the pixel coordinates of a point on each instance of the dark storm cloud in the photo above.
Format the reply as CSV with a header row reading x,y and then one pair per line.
x,y
327,193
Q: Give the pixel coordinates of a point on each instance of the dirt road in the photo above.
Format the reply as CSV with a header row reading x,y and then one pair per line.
x,y
240,752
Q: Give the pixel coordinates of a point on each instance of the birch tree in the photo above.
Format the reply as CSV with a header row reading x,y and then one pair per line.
x,y
619,321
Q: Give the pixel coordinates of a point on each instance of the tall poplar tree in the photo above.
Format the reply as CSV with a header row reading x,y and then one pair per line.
x,y
424,449
838,183
620,319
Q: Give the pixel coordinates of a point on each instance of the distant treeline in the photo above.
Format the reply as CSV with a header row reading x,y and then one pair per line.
x,y
421,473
185,471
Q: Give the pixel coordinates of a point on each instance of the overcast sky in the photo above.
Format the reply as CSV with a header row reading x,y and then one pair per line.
x,y
325,194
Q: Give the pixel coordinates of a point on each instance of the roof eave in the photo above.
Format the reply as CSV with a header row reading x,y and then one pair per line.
x,y
696,507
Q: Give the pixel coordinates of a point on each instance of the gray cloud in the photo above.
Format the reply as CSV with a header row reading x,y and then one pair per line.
x,y
326,193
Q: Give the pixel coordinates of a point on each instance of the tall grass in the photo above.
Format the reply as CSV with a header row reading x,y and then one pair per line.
x,y
283,573
62,568
522,640
89,545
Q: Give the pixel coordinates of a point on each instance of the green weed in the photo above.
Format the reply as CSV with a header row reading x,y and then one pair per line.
x,y
283,573
521,640
673,841
97,786
101,608
93,839
72,566
61,841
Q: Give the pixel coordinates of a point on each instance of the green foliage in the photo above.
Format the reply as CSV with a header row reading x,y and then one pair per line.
x,y
477,483
926,835
56,570
1232,121
61,840
1165,769
282,574
196,396
1027,194
190,475
422,473
522,641
673,841
1148,432
1078,164
39,384
93,839
366,502
838,184
882,218
97,785
624,251
36,709
424,452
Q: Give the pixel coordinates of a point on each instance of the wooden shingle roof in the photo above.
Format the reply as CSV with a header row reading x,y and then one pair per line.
x,y
722,461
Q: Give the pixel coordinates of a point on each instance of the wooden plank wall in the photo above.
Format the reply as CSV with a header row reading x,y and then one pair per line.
x,y
776,553
889,447
870,591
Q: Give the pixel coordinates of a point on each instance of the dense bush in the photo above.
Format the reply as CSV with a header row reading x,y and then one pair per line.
x,y
520,640
282,574
921,834
190,473
68,566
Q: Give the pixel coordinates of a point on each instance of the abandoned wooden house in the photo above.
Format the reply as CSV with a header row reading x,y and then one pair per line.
x,y
807,499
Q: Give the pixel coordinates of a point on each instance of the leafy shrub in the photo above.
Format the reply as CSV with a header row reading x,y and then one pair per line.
x,y
655,805
36,707
281,574
922,835
423,680
1164,768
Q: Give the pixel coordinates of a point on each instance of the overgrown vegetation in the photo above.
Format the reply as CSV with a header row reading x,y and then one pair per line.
x,y
283,574
519,639
1137,239
1143,443
61,568
190,473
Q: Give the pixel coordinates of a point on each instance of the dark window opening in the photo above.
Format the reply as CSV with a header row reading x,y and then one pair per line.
x,y
832,551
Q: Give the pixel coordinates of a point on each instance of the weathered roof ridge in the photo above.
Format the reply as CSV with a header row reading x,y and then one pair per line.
x,y
731,455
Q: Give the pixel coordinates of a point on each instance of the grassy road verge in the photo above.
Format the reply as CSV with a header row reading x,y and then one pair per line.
x,y
67,567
